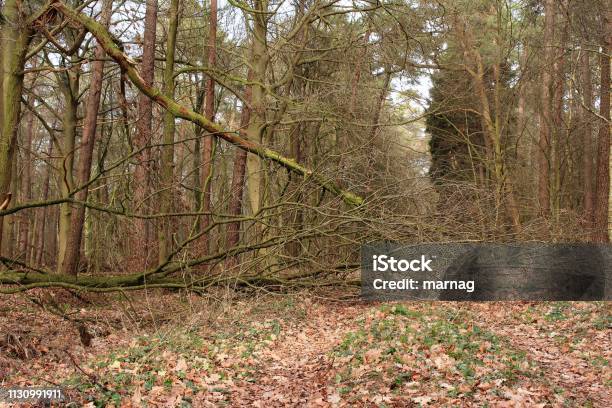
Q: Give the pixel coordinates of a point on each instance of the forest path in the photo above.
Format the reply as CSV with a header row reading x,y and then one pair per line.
x,y
296,371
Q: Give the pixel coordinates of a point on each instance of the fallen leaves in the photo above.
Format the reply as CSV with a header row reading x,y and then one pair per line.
x,y
428,354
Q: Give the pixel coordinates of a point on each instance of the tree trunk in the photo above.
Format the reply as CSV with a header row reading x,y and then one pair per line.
x,y
255,130
167,158
70,88
237,189
557,133
491,124
357,74
43,212
602,178
587,138
15,37
197,156
26,190
71,258
140,241
209,111
382,97
546,119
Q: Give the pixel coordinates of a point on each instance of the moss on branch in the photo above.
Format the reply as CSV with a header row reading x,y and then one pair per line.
x,y
19,281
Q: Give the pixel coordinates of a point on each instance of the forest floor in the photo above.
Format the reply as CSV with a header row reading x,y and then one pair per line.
x,y
159,349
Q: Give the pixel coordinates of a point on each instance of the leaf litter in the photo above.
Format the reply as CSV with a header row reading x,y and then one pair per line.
x,y
295,350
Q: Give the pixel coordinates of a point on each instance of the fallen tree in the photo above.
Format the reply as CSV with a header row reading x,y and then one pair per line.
x,y
169,275
21,277
21,281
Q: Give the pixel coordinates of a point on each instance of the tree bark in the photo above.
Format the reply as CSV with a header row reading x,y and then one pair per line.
x,y
237,189
15,36
71,258
546,119
255,129
167,158
140,242
69,84
26,190
43,213
357,74
602,178
587,138
209,111
557,133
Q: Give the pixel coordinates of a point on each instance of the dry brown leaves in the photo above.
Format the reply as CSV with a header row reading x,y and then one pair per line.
x,y
295,351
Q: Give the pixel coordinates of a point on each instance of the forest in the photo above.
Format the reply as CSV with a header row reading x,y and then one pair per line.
x,y
186,187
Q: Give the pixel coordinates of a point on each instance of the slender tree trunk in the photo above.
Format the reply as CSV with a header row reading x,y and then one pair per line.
x,y
296,217
70,88
90,122
15,37
237,189
140,242
557,133
209,112
602,178
125,122
26,189
167,158
255,130
521,115
380,105
546,119
382,97
197,154
43,212
357,74
11,222
491,123
587,138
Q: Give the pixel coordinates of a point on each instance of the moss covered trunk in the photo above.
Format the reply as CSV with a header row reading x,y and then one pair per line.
x,y
15,37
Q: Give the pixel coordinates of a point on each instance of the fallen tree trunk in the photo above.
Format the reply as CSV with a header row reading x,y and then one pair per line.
x,y
236,138
19,281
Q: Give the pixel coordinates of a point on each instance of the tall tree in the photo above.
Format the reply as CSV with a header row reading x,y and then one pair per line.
x,y
587,137
238,173
209,111
141,238
602,178
90,122
26,189
167,158
546,118
559,132
42,220
15,36
256,128
69,80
